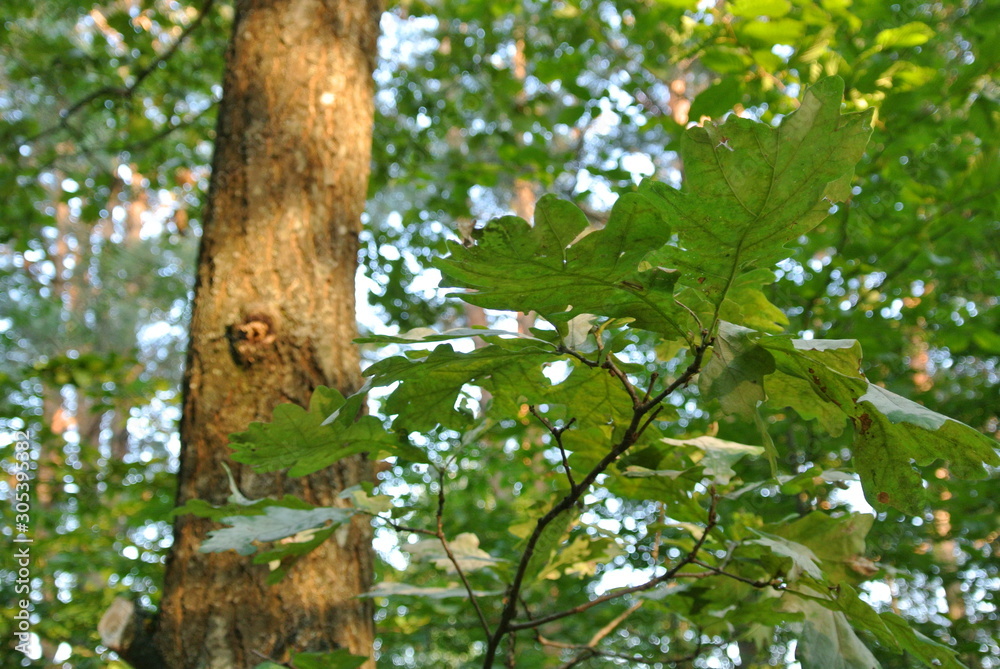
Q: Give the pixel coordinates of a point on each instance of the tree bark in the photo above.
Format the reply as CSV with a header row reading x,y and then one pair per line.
x,y
273,319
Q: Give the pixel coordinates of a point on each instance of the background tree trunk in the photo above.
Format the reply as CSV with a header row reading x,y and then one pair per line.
x,y
274,318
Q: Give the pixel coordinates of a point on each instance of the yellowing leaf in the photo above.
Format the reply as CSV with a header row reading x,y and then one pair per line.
x,y
911,34
465,548
751,8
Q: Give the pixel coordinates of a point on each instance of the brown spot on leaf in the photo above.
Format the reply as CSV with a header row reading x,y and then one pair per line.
x,y
863,565
866,423
883,498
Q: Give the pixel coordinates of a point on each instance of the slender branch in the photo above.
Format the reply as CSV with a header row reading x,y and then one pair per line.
x,y
649,389
774,582
590,649
652,583
629,437
691,313
271,659
685,378
125,91
609,364
511,651
611,626
632,659
649,420
557,433
582,358
589,653
404,528
141,144
451,555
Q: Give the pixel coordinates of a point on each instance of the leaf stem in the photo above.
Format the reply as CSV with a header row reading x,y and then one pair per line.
x,y
451,556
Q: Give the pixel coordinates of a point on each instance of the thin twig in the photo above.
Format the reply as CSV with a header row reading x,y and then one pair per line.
x,y
557,433
86,153
271,659
404,528
649,389
609,364
590,650
649,420
658,537
775,582
451,555
611,626
685,378
511,651
582,358
652,583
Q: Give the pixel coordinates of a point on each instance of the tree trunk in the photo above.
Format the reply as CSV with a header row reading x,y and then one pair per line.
x,y
273,319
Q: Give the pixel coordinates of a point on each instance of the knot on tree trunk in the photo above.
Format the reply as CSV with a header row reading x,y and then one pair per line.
x,y
252,339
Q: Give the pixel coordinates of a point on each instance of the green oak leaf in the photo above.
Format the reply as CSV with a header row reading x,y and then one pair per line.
x,y
735,372
804,560
593,397
826,638
822,378
716,455
307,440
562,267
894,434
928,651
746,304
838,541
430,382
750,188
892,631
785,390
832,367
830,538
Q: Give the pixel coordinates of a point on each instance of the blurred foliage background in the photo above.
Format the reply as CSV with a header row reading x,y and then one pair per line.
x,y
106,121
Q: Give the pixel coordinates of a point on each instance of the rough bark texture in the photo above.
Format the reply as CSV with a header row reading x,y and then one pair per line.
x,y
274,318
